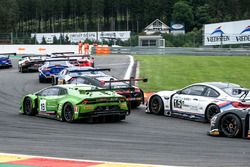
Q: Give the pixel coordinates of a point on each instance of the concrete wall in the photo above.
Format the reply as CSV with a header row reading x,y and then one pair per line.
x,y
37,49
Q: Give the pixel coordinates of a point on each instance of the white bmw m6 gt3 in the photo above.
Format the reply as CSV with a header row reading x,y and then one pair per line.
x,y
200,101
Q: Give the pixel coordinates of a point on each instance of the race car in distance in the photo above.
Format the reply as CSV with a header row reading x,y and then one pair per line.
x,y
76,59
135,98
31,62
200,101
5,59
231,123
52,67
66,74
73,102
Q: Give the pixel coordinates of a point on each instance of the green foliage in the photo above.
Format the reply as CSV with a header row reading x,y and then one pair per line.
x,y
180,71
133,41
43,40
182,13
55,41
8,18
190,39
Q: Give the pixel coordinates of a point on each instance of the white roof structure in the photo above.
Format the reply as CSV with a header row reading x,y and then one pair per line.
x,y
157,26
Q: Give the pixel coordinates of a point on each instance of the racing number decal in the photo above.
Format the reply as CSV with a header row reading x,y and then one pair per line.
x,y
178,103
42,105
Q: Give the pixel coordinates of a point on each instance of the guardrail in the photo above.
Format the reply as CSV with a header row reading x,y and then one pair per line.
x,y
180,51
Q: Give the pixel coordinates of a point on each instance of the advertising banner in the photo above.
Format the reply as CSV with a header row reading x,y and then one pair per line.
x,y
75,37
235,32
177,28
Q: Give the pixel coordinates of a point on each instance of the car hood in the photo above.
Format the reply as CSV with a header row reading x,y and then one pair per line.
x,y
166,92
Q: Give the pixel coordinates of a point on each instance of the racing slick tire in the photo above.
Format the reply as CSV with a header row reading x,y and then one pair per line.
x,y
156,105
22,70
28,107
135,104
41,80
68,113
123,117
211,111
230,126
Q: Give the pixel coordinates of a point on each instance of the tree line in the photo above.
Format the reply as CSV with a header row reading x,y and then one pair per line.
x,y
26,16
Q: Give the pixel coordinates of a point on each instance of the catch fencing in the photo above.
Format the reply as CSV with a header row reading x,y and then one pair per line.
x,y
181,51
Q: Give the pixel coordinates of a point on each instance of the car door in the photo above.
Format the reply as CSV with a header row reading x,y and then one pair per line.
x,y
48,100
207,98
187,100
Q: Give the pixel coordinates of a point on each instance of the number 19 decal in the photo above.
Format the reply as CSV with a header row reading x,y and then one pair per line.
x,y
42,105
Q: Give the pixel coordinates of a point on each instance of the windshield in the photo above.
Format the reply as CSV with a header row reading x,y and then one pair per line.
x,y
117,85
80,73
54,63
4,56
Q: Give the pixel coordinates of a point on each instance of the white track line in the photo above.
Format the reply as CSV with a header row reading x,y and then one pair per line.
x,y
130,67
82,160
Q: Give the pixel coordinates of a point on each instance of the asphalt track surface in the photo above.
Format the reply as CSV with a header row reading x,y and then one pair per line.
x,y
141,138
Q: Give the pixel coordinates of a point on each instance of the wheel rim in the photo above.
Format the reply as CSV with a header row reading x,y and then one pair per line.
x,y
211,112
229,126
155,105
68,113
28,106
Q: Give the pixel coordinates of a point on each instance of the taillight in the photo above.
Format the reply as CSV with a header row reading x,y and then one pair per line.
x,y
102,83
123,99
137,90
26,62
85,101
237,104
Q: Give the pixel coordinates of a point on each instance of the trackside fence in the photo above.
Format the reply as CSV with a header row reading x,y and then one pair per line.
x,y
181,51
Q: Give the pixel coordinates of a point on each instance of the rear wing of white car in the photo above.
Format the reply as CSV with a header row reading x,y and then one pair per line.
x,y
243,92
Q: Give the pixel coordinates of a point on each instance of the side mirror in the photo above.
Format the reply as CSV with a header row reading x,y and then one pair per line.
x,y
178,92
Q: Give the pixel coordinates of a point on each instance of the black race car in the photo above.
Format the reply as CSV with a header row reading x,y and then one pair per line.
x,y
231,123
31,62
135,97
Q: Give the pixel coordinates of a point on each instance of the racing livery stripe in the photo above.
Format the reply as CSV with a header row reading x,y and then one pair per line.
x,y
15,160
224,104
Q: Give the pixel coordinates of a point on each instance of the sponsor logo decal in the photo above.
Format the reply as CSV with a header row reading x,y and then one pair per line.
x,y
242,37
217,30
217,36
247,29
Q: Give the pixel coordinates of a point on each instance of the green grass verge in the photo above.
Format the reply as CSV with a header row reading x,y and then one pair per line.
x,y
174,72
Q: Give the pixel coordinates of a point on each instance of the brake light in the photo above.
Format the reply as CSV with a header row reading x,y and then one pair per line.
x,y
102,83
85,101
137,90
26,62
123,99
237,104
